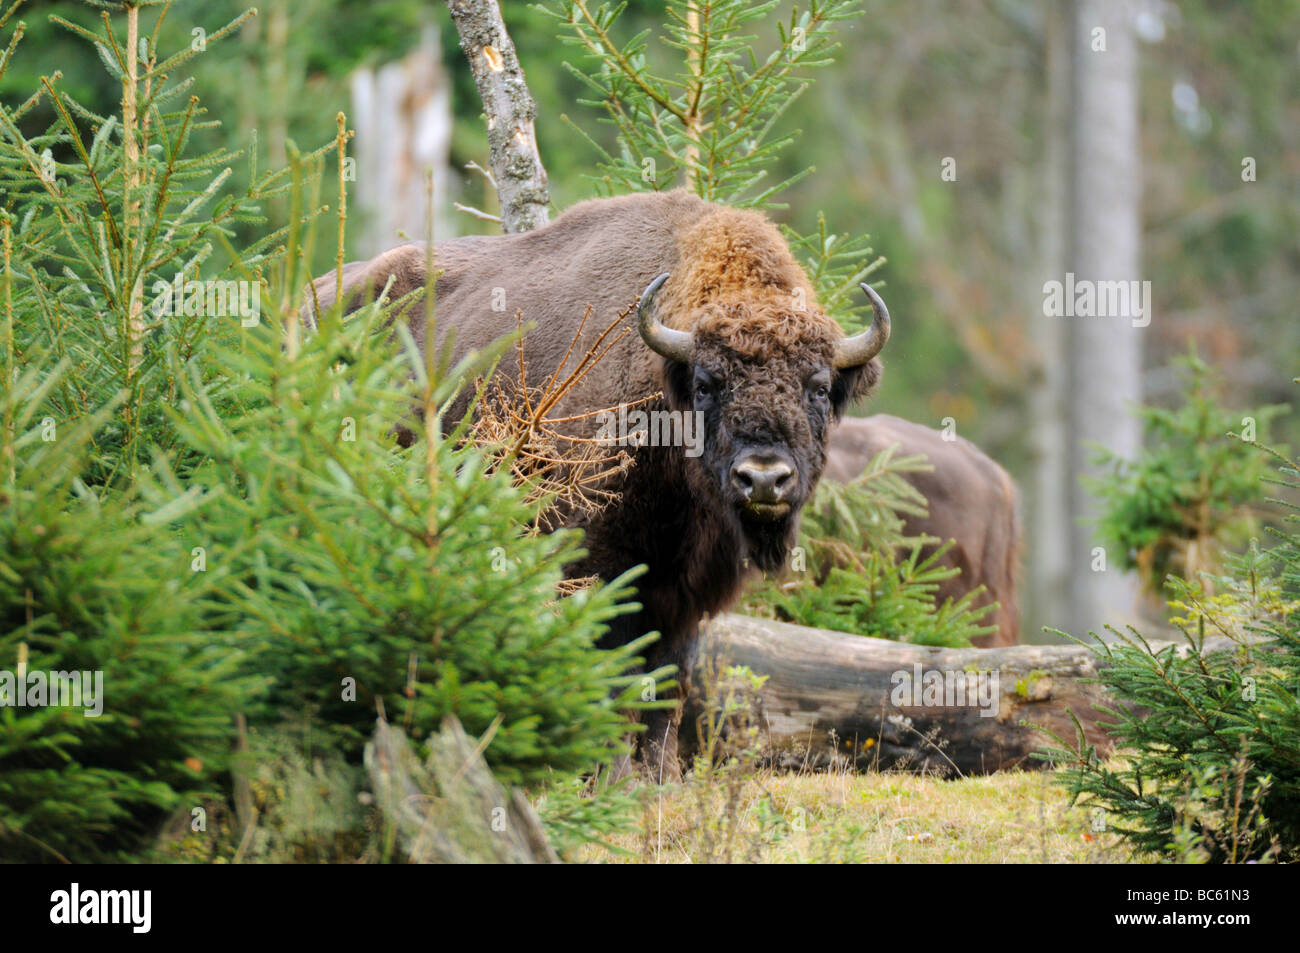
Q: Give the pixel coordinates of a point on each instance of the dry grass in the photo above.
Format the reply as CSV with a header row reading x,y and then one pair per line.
x,y
729,809
1013,817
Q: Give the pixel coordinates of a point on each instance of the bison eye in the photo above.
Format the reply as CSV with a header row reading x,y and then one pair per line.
x,y
706,387
819,387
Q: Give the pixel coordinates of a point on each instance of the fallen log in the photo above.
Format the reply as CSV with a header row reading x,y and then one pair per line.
x,y
832,699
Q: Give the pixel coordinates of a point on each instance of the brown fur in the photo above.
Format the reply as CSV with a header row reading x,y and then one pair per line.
x,y
972,501
740,283
759,332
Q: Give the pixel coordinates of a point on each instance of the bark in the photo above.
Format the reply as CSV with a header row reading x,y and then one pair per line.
x,y
449,809
131,204
830,698
510,111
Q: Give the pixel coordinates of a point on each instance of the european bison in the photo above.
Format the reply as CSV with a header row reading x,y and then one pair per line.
x,y
971,499
729,329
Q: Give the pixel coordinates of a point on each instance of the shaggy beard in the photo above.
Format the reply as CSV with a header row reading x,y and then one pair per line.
x,y
768,544
763,544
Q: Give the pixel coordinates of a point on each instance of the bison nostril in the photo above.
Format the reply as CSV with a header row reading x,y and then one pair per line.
x,y
763,481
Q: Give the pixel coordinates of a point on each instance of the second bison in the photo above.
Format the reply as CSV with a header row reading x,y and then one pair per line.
x,y
971,501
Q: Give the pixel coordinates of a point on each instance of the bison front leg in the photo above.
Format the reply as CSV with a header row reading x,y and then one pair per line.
x,y
656,746
658,750
656,758
651,751
659,758
654,749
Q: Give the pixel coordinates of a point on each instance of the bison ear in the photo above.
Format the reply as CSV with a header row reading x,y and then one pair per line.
x,y
852,384
678,387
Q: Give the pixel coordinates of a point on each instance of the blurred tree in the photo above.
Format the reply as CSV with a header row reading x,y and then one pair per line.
x,y
1047,523
1103,350
403,118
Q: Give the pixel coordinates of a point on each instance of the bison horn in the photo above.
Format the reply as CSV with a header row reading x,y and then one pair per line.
x,y
668,342
857,350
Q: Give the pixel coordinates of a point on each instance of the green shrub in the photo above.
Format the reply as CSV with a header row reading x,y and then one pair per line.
x,y
855,571
368,574
1209,741
91,585
1188,495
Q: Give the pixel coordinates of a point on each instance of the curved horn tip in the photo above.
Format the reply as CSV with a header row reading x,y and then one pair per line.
x,y
664,341
851,352
652,289
877,305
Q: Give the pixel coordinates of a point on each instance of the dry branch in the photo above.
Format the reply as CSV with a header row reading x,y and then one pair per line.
x,y
547,456
517,168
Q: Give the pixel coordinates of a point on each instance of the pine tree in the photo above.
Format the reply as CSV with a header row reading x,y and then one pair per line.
x,y
210,506
89,584
1211,739
711,123
116,221
1189,496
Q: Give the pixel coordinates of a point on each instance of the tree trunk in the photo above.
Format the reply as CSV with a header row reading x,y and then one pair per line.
x,y
274,104
833,699
1103,354
448,808
510,111
1047,526
402,114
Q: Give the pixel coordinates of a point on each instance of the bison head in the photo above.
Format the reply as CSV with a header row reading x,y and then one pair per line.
x,y
766,385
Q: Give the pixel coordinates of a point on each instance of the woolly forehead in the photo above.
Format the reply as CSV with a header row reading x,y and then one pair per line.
x,y
763,331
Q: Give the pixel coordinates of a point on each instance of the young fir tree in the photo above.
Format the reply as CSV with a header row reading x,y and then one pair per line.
x,y
209,505
93,583
1191,494
711,122
1210,740
93,580
368,573
116,220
